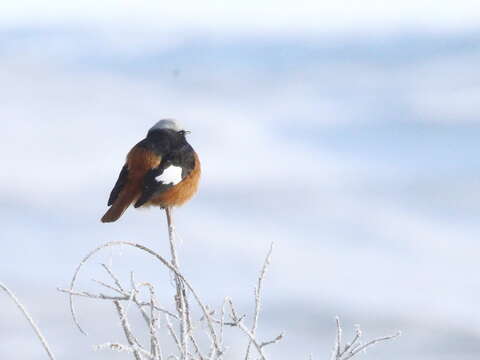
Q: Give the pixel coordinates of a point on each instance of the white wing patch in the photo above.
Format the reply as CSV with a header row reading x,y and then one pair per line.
x,y
172,175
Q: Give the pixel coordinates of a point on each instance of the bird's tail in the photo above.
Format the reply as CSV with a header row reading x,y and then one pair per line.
x,y
125,198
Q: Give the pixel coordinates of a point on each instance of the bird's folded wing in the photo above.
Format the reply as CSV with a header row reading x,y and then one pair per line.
x,y
152,185
121,181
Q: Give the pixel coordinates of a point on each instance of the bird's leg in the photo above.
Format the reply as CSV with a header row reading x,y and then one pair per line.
x,y
180,297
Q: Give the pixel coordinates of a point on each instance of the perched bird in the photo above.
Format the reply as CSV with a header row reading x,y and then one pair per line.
x,y
162,170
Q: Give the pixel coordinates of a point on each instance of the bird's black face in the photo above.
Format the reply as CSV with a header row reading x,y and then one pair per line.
x,y
183,133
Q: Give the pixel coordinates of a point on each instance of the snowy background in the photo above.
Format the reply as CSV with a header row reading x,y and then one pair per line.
x,y
347,132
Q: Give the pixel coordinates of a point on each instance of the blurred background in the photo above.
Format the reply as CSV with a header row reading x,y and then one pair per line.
x,y
344,131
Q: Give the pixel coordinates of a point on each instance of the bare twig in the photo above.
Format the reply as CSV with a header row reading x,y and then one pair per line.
x,y
25,313
354,347
150,319
258,291
184,335
222,321
158,308
354,343
180,297
173,334
113,346
94,296
134,298
273,341
154,343
101,283
373,342
132,341
249,334
339,337
163,261
121,347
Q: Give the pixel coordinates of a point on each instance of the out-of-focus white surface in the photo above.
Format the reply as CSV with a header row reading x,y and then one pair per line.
x,y
356,151
247,16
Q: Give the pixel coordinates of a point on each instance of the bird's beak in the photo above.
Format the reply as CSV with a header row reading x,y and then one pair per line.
x,y
188,132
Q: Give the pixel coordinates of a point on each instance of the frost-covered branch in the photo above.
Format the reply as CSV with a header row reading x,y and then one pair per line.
x,y
258,291
180,328
202,339
181,295
132,340
214,329
25,313
354,347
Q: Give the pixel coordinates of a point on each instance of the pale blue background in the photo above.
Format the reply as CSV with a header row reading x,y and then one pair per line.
x,y
347,132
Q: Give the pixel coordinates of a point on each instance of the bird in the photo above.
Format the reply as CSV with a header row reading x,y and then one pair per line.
x,y
161,170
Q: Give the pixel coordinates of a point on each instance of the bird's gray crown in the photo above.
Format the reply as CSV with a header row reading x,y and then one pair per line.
x,y
170,124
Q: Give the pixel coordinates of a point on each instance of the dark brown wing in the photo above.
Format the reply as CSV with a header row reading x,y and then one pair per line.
x,y
121,181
